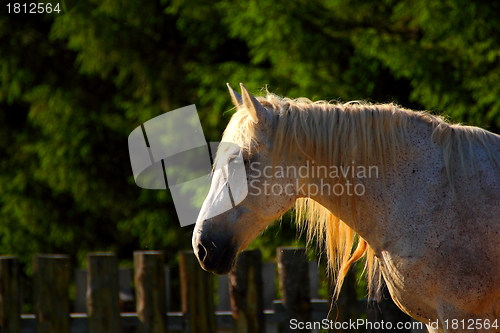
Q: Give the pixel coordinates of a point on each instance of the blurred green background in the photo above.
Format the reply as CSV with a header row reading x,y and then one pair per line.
x,y
73,87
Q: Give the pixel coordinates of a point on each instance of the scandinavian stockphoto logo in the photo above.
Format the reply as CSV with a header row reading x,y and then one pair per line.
x,y
170,150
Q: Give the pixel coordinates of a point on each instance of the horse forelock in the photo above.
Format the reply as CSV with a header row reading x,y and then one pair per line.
x,y
338,134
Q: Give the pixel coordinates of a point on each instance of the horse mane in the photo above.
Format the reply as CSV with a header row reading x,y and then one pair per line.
x,y
338,134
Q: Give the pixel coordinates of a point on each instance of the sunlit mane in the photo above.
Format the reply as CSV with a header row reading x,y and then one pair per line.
x,y
340,134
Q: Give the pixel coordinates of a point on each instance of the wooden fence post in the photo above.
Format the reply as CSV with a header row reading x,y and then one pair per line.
x,y
51,280
197,292
149,279
103,310
293,273
246,293
10,298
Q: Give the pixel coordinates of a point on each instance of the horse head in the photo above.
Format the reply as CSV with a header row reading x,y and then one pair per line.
x,y
231,217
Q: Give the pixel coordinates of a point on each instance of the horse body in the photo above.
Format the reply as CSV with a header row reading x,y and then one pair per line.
x,y
429,222
438,251
437,246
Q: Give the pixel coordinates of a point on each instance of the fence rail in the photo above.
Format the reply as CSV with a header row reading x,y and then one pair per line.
x,y
244,289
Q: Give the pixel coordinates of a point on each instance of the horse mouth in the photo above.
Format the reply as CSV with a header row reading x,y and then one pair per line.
x,y
227,262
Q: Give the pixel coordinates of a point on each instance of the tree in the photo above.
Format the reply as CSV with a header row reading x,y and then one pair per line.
x,y
73,88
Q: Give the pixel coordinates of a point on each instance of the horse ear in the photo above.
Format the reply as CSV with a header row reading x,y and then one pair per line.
x,y
237,100
257,111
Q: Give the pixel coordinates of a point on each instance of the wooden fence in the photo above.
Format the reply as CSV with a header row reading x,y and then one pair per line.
x,y
246,296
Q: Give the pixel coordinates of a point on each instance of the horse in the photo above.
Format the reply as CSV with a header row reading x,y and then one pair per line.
x,y
412,194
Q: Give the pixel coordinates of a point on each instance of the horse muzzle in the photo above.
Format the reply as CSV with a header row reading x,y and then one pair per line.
x,y
214,254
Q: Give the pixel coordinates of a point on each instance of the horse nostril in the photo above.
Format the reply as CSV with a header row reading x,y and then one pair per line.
x,y
202,253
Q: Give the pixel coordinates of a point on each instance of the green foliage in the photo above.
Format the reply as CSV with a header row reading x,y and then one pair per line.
x,y
73,87
448,50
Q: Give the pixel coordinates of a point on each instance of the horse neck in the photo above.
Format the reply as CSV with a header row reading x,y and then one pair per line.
x,y
370,191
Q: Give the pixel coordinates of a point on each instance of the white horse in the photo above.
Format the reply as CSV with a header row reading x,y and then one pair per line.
x,y
417,197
